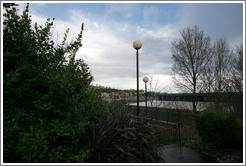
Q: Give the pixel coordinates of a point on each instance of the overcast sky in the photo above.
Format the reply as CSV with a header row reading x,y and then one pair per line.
x,y
111,28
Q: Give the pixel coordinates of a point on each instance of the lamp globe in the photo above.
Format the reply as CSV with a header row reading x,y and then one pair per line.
x,y
137,44
145,79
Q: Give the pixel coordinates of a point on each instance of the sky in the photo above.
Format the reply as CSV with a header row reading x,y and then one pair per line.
x,y
111,28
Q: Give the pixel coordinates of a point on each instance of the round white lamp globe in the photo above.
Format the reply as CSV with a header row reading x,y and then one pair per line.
x,y
137,44
145,79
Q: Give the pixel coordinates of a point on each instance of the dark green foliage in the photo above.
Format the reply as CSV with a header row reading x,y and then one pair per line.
x,y
49,109
221,130
118,139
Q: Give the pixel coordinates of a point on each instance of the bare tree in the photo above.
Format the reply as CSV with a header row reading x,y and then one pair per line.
x,y
238,78
224,74
238,69
218,72
208,79
222,59
191,54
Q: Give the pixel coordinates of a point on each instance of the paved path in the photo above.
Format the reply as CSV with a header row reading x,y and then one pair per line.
x,y
174,153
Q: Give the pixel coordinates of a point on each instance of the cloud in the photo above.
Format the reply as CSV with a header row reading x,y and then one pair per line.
x,y
150,14
107,49
216,19
124,9
110,55
155,54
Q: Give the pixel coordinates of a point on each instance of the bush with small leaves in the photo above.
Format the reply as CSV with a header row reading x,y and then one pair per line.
x,y
224,131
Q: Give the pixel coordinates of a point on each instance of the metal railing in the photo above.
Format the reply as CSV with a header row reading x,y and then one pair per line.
x,y
167,134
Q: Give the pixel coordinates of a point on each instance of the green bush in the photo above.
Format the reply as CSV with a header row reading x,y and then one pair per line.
x,y
221,130
49,108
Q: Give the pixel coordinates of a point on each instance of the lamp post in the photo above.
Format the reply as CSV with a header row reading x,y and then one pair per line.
x,y
137,45
145,80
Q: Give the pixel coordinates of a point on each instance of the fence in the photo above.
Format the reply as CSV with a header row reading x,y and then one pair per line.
x,y
165,115
168,123
172,133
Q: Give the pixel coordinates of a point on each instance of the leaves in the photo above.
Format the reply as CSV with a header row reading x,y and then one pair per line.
x,y
49,108
118,139
223,131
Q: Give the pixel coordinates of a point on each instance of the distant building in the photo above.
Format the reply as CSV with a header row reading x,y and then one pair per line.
x,y
120,95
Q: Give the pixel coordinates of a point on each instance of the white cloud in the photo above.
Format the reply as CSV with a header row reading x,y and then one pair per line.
x,y
109,56
112,58
126,10
217,20
150,14
167,32
109,52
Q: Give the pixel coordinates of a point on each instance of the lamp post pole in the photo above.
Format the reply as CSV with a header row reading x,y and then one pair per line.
x,y
145,80
137,45
137,86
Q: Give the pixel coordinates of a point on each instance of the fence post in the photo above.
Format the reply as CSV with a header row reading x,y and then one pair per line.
x,y
179,125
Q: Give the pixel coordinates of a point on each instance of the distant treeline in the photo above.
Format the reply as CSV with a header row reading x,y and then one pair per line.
x,y
109,89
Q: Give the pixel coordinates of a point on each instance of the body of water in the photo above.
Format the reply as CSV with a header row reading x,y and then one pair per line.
x,y
185,105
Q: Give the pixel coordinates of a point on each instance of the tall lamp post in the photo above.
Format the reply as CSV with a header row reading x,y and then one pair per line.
x,y
137,45
145,80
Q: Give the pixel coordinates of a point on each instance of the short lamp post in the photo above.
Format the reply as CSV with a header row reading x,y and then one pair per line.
x,y
145,80
137,45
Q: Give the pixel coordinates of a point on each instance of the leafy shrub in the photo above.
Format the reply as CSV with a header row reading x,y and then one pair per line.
x,y
222,130
50,110
118,139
